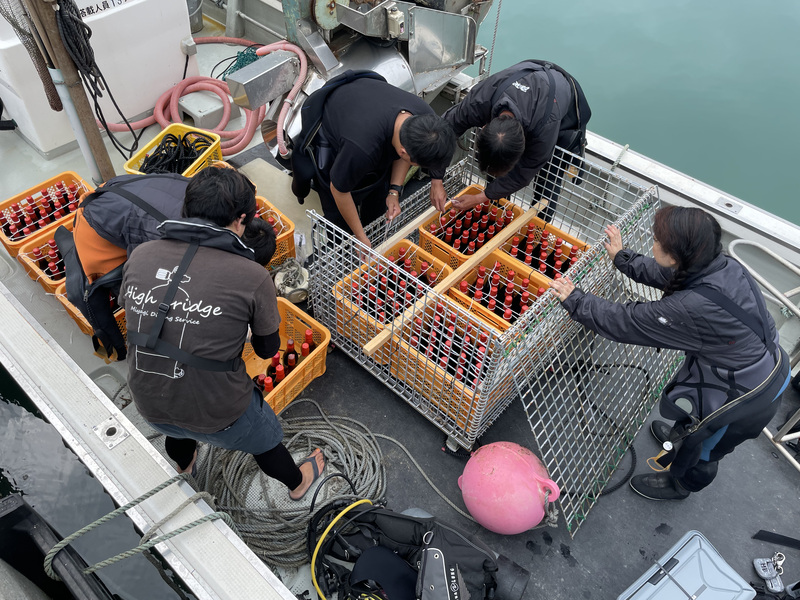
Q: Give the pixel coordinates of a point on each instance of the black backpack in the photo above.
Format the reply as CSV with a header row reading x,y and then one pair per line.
x,y
402,557
302,162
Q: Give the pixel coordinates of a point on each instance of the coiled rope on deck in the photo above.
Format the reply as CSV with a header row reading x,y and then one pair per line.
x,y
273,526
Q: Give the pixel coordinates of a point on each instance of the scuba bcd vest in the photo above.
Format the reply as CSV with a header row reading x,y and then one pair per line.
x,y
382,553
303,162
118,213
703,398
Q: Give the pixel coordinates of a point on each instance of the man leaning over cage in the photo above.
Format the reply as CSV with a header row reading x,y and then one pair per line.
x,y
190,298
523,111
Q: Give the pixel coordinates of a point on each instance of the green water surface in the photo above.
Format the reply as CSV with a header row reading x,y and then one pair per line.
x,y
710,88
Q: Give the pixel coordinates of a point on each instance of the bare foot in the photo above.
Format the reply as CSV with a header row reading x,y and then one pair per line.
x,y
191,465
315,459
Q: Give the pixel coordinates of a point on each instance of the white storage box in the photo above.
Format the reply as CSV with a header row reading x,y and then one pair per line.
x,y
694,569
137,45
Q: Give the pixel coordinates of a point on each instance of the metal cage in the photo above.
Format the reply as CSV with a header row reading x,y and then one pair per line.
x,y
585,397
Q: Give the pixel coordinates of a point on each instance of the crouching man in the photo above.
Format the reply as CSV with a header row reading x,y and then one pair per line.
x,y
189,299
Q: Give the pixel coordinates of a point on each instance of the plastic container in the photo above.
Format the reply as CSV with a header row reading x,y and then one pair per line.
x,y
30,265
552,233
208,156
34,193
457,402
284,242
77,316
360,325
505,264
294,323
692,565
445,252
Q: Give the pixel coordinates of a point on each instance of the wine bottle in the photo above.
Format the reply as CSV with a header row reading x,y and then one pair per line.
x,y
289,350
309,339
280,373
275,362
291,362
268,385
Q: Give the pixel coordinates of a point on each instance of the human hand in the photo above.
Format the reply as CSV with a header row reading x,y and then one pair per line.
x,y
469,201
614,243
392,206
438,195
362,237
563,287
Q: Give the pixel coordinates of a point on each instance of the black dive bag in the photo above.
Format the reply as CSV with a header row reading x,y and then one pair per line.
x,y
402,557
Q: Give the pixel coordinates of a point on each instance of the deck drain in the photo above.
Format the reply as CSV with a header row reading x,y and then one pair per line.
x,y
111,432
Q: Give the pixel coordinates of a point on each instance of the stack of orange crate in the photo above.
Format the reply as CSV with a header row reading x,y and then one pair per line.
x,y
294,323
32,200
358,319
457,397
77,316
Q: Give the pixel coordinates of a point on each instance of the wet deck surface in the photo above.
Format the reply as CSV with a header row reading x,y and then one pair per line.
x,y
755,489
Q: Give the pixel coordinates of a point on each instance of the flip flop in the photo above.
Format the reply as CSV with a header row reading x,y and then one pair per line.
x,y
312,458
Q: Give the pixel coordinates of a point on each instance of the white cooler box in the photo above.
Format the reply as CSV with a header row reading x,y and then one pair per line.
x,y
694,570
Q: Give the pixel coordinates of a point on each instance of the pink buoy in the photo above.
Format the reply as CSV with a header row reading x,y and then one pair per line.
x,y
504,487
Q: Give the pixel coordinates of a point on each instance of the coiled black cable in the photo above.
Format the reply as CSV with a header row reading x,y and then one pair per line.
x,y
75,35
175,153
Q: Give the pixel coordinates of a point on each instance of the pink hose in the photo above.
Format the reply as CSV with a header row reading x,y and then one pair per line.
x,y
287,103
166,110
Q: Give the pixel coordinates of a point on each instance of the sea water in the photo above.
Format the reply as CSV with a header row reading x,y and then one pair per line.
x,y
706,87
35,461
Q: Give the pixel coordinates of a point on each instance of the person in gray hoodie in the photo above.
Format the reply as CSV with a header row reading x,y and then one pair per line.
x,y
730,383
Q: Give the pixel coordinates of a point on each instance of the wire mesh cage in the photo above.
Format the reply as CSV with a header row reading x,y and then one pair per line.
x,y
460,360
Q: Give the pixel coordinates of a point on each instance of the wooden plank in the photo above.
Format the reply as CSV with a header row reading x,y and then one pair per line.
x,y
372,346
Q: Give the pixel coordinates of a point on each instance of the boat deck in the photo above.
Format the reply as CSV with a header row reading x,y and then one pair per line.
x,y
756,488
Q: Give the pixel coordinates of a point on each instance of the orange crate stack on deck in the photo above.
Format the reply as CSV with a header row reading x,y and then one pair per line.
x,y
284,239
32,196
77,316
30,265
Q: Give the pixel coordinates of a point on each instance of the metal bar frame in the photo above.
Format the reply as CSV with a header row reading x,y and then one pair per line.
x,y
584,396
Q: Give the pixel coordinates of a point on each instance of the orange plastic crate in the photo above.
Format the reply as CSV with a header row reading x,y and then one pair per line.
x,y
294,323
457,401
33,195
30,265
284,242
445,252
552,233
504,264
77,316
356,323
210,155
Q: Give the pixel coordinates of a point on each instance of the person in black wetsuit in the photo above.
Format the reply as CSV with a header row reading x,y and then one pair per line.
x,y
371,134
713,310
524,111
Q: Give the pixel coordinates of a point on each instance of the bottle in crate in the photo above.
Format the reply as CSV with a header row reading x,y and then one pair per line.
x,y
273,366
309,339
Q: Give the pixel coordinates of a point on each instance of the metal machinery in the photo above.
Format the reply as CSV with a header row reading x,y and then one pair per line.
x,y
585,397
417,46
